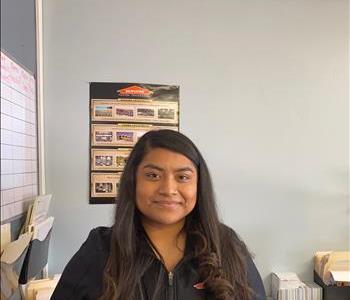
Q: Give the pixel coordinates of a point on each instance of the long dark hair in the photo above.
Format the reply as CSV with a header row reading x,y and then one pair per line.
x,y
218,252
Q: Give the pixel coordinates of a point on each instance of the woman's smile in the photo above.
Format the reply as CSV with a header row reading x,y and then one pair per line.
x,y
168,204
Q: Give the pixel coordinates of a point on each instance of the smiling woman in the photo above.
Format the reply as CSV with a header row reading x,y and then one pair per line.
x,y
166,192
167,241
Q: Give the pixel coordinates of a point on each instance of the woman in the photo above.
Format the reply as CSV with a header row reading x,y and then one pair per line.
x,y
166,241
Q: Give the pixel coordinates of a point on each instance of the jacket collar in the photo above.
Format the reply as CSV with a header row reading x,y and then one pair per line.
x,y
146,248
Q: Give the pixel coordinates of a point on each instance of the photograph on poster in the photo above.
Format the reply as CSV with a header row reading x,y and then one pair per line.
x,y
123,112
125,137
157,112
129,134
104,184
104,160
121,161
109,159
102,134
145,112
121,158
102,110
103,187
166,113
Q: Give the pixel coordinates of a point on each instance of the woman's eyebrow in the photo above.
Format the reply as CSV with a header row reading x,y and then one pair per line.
x,y
152,166
183,169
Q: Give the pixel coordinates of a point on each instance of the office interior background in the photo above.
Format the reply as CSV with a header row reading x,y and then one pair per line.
x,y
264,93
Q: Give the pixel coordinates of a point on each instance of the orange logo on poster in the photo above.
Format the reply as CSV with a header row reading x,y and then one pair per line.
x,y
135,91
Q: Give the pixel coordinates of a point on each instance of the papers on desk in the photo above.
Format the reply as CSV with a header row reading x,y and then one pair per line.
x,y
5,235
340,277
13,250
288,286
11,264
41,289
18,254
333,267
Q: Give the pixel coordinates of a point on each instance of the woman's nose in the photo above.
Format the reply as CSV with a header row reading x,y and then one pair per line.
x,y
168,186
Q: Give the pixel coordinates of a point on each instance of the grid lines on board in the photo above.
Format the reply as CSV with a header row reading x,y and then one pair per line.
x,y
19,162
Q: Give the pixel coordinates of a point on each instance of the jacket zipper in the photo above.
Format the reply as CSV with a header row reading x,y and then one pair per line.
x,y
170,278
170,290
171,286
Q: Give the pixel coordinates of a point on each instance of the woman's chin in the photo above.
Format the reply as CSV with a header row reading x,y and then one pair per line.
x,y
165,219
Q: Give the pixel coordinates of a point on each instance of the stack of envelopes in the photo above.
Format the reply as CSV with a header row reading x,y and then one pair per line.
x,y
288,286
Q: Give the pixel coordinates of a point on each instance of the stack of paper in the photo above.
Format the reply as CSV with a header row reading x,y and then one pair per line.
x,y
41,230
333,267
5,235
11,264
41,289
37,212
288,286
312,291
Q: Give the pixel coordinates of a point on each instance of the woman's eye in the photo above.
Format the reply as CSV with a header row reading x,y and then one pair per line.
x,y
184,177
152,176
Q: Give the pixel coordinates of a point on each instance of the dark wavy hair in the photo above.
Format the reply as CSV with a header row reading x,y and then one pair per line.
x,y
218,252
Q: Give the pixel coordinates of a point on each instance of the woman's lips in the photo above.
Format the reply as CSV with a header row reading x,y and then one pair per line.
x,y
168,204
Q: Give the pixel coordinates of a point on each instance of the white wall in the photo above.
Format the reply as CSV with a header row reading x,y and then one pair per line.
x,y
264,94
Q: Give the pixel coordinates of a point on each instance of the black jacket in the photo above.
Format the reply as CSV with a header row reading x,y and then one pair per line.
x,y
82,277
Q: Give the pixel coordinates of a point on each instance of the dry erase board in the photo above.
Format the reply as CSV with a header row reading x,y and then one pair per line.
x,y
19,174
19,170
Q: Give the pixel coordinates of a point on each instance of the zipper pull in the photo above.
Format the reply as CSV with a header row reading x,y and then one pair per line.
x,y
170,278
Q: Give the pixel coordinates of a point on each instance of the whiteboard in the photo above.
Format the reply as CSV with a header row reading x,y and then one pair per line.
x,y
19,151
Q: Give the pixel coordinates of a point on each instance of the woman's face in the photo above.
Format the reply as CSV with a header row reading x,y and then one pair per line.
x,y
166,187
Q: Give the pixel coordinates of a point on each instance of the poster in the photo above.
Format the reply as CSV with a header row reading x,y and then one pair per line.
x,y
120,114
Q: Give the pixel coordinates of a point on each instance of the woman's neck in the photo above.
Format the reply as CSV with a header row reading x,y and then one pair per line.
x,y
167,232
169,241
